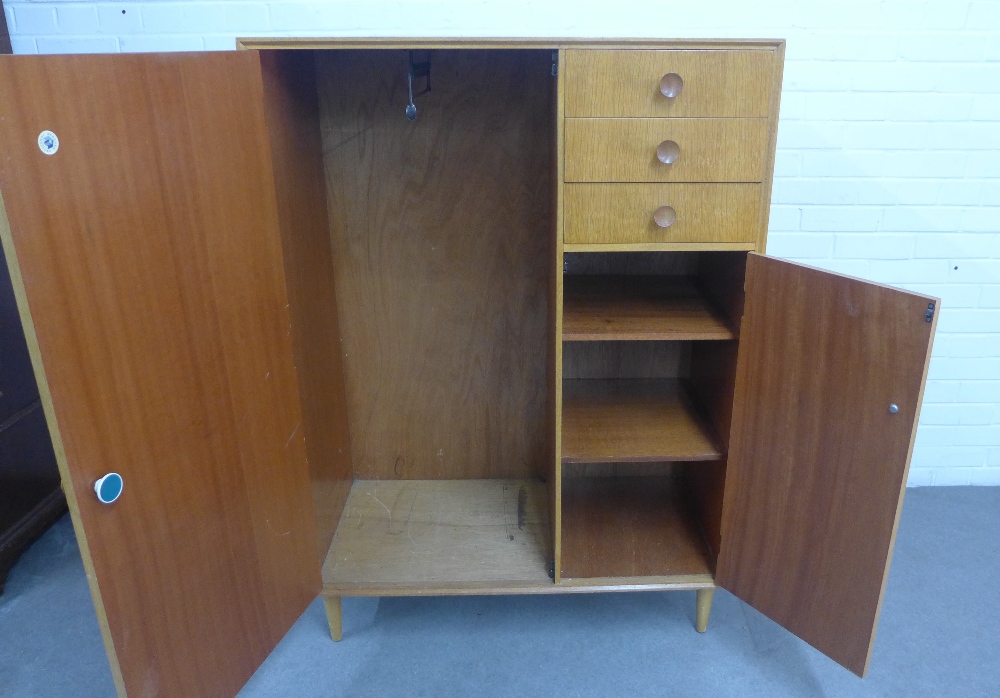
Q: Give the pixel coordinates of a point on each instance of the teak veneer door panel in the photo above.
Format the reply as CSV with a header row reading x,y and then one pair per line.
x,y
149,252
817,459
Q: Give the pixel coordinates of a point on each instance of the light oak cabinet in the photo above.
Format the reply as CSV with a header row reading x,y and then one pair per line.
x,y
526,342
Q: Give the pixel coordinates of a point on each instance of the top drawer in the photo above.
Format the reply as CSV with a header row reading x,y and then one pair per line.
x,y
703,82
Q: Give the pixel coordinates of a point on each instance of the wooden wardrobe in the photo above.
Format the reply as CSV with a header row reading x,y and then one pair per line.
x,y
414,316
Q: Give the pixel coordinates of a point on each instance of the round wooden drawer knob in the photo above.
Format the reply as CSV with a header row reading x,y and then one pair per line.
x,y
664,216
667,152
671,85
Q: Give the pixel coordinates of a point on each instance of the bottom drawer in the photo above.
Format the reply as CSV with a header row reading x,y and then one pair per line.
x,y
651,213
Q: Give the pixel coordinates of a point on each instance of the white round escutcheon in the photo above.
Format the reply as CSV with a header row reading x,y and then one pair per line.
x,y
109,488
48,142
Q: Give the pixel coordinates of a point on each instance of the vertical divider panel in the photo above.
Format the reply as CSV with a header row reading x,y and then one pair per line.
x,y
291,107
557,311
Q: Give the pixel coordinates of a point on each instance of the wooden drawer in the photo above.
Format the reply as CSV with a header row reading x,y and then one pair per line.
x,y
627,83
624,213
695,150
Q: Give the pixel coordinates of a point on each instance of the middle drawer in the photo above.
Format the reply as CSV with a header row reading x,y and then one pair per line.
x,y
665,150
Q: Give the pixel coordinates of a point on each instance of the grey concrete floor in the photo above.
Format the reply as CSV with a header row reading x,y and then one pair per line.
x,y
939,634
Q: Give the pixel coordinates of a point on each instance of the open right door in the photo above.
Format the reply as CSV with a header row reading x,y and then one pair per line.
x,y
829,382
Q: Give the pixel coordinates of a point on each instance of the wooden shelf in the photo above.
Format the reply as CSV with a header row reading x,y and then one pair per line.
x,y
617,421
599,307
629,527
413,537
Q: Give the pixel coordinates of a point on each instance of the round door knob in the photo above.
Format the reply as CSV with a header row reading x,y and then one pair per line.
x,y
671,85
667,152
893,408
664,216
109,488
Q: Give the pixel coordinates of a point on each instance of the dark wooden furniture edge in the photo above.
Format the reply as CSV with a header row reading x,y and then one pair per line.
x,y
16,539
5,46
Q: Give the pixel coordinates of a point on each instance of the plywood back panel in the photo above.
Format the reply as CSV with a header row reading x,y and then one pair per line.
x,y
640,263
817,459
441,234
625,359
641,469
291,108
630,527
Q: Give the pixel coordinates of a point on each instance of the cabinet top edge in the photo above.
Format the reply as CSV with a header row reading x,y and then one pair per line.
x,y
351,42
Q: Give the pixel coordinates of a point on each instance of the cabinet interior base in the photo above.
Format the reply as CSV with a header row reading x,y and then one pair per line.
x,y
457,537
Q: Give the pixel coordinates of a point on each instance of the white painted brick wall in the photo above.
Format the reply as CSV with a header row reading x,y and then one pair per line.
x,y
888,163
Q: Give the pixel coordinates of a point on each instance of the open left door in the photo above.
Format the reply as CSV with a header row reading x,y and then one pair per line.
x,y
144,247
829,381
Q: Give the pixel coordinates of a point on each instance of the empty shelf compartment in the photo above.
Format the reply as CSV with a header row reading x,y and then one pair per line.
x,y
630,527
617,420
597,307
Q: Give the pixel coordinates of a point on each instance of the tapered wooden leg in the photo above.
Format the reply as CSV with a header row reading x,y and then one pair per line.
x,y
704,608
332,604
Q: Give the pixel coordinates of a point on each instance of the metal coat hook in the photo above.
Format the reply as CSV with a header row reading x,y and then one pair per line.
x,y
420,69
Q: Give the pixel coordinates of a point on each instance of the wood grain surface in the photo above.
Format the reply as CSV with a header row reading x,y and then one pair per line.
x,y
291,107
631,420
59,451
722,276
623,213
556,290
149,250
703,486
574,248
440,534
629,527
442,254
639,308
633,469
817,463
624,150
711,383
626,83
625,359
